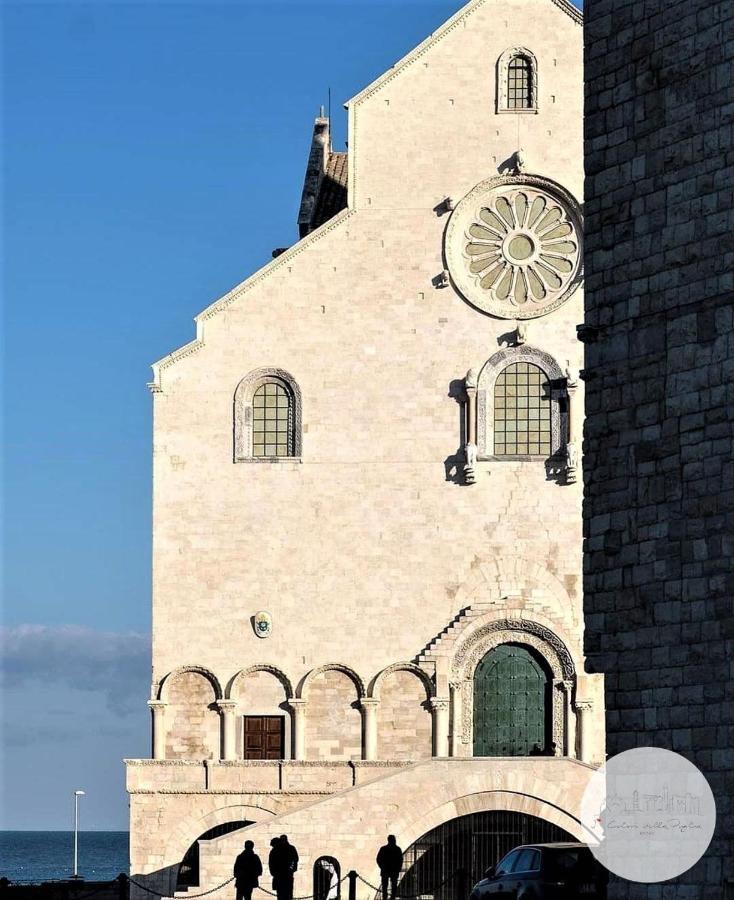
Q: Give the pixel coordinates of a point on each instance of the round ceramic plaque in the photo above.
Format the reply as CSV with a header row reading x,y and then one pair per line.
x,y
513,246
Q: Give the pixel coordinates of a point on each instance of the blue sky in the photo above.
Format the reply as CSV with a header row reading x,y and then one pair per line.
x,y
140,143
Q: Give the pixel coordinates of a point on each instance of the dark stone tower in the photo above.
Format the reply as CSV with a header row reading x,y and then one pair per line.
x,y
659,460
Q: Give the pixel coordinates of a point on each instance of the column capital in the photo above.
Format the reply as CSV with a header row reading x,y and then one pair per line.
x,y
297,703
226,705
439,703
369,702
584,704
157,705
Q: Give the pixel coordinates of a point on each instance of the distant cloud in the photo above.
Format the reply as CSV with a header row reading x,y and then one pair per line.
x,y
116,664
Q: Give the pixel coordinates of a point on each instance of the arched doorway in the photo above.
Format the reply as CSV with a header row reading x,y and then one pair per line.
x,y
188,870
512,703
471,843
326,878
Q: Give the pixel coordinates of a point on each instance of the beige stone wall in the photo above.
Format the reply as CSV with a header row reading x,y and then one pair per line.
x,y
260,693
367,548
366,531
192,720
334,722
404,729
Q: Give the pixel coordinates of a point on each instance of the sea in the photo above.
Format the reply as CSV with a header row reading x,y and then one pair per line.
x,y
33,856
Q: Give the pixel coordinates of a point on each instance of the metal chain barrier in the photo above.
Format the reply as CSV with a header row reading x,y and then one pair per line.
x,y
409,896
188,896
224,884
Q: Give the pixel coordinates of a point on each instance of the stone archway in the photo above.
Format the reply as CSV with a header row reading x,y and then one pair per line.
x,y
537,639
466,846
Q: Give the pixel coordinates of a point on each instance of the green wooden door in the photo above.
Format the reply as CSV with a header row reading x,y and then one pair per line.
x,y
511,703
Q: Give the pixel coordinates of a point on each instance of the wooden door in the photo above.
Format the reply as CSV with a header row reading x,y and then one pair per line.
x,y
511,703
264,737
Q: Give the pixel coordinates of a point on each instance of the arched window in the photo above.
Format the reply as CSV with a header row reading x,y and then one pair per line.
x,y
522,406
522,411
519,86
272,420
517,81
267,417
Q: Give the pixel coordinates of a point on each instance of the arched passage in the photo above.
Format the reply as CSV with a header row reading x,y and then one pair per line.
x,y
512,703
472,843
188,870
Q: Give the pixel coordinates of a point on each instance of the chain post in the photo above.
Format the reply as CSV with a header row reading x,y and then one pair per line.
x,y
352,876
461,880
123,886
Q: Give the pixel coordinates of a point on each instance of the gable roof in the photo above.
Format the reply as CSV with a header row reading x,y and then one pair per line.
x,y
472,6
332,195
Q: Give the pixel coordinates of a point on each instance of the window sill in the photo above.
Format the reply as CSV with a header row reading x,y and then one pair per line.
x,y
519,458
518,112
269,459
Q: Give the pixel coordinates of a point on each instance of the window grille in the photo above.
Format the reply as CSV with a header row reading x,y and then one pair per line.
x,y
519,83
522,411
272,427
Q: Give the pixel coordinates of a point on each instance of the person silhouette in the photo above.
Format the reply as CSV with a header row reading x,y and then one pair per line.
x,y
247,871
283,863
390,862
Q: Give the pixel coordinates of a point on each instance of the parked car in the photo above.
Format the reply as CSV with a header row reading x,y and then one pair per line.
x,y
544,872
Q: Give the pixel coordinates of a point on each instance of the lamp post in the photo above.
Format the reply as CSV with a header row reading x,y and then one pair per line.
x,y
77,795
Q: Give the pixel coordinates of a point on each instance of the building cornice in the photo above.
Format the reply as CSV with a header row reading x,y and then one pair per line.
x,y
155,386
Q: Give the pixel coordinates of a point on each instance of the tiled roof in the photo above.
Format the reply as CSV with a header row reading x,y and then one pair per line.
x,y
332,196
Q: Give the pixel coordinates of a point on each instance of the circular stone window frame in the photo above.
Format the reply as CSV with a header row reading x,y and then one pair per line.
x,y
466,213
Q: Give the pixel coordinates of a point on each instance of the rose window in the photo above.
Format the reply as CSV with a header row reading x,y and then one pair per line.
x,y
515,251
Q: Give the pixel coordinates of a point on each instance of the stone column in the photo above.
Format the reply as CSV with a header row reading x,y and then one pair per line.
x,y
456,716
570,717
298,706
470,443
574,430
440,710
470,385
583,707
369,727
227,709
158,710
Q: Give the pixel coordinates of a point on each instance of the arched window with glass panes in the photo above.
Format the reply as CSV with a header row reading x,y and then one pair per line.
x,y
517,81
519,84
522,411
267,417
522,406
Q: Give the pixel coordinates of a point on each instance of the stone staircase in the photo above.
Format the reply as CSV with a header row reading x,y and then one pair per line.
x,y
352,824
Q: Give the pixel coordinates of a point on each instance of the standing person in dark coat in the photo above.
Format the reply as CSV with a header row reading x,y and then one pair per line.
x,y
247,871
283,863
390,861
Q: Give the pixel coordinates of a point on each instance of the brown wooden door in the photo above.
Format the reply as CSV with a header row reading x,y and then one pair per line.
x,y
264,737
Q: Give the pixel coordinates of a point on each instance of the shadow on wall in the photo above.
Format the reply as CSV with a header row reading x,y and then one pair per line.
x,y
454,464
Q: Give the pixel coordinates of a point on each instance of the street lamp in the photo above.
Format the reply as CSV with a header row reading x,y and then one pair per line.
x,y
77,795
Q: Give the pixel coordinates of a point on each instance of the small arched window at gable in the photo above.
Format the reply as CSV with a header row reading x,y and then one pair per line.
x,y
267,417
517,81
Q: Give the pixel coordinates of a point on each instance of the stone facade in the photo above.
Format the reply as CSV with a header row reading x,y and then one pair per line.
x,y
658,460
391,545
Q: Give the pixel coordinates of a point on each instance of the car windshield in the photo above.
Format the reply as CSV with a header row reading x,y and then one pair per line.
x,y
576,863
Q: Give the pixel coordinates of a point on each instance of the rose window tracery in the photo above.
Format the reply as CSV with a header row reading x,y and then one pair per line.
x,y
514,247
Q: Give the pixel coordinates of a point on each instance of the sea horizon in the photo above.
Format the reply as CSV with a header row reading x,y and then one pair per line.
x,y
36,855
